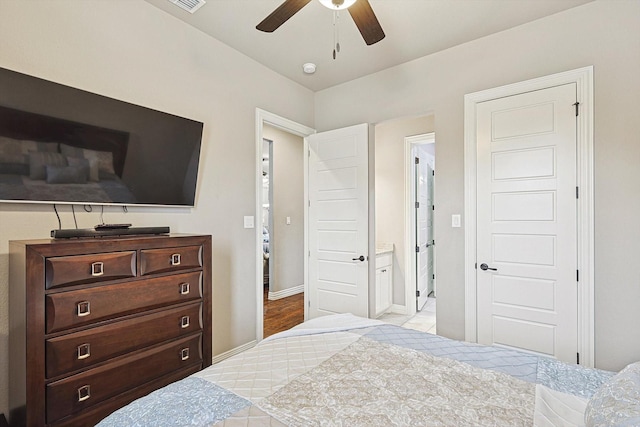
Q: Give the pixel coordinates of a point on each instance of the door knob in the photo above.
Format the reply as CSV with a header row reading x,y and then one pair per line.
x,y
360,258
485,267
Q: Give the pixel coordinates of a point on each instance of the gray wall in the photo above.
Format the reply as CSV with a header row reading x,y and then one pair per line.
x,y
287,249
605,34
132,51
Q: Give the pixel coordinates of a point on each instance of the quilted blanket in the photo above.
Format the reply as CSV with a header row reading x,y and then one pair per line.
x,y
346,371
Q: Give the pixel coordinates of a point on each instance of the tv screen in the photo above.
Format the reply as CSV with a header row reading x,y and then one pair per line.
x,y
59,144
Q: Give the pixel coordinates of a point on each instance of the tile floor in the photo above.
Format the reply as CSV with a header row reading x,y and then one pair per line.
x,y
424,320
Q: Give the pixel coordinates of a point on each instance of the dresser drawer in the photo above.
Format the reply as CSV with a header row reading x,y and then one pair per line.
x,y
98,412
81,391
77,269
83,349
85,306
170,259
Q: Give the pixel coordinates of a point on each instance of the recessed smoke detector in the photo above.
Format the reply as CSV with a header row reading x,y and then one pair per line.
x,y
189,5
309,68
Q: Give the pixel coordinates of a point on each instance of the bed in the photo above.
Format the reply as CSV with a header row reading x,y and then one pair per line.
x,y
342,370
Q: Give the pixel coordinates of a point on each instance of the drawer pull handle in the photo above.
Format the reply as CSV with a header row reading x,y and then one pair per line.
x,y
84,393
184,288
184,353
175,259
97,269
84,351
184,322
84,308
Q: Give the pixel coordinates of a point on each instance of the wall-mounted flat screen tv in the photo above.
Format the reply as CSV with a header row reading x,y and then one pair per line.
x,y
59,144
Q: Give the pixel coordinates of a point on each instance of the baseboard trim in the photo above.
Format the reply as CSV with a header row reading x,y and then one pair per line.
x,y
234,351
285,292
398,309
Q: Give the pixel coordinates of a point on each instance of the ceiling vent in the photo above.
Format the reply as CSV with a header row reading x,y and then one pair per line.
x,y
189,5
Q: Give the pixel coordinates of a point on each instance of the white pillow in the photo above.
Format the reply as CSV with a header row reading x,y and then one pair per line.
x,y
617,401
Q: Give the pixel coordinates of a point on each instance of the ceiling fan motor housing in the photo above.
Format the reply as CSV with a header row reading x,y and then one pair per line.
x,y
360,10
337,4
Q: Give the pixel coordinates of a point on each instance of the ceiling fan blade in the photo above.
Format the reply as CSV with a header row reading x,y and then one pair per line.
x,y
366,21
279,16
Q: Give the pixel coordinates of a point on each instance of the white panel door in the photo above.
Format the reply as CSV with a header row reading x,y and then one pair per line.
x,y
430,234
338,222
424,230
526,222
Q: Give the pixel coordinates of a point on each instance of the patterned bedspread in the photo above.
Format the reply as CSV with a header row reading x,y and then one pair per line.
x,y
374,374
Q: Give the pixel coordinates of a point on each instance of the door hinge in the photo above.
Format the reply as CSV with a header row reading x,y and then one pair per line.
x,y
433,207
475,266
417,293
578,358
433,242
577,275
417,248
309,153
577,104
417,160
577,193
433,276
433,173
417,205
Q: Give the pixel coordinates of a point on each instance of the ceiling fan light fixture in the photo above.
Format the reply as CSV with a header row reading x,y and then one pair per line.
x,y
337,4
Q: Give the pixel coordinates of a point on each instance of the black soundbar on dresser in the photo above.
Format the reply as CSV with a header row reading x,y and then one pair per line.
x,y
71,233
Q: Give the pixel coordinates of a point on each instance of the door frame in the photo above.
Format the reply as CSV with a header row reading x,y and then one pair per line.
x,y
583,78
264,117
409,220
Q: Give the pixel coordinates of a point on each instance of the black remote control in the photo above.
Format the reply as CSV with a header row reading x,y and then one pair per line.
x,y
111,226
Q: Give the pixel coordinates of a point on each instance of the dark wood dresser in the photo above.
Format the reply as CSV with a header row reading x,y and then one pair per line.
x,y
96,323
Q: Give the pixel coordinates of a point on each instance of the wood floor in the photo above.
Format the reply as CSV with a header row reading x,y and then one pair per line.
x,y
282,314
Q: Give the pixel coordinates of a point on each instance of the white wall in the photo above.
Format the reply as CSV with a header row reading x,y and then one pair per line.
x,y
287,248
130,50
390,201
605,34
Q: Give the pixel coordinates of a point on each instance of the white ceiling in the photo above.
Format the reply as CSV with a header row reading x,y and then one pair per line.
x,y
413,28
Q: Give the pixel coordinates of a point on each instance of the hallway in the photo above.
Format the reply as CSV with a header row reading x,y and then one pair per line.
x,y
282,314
285,313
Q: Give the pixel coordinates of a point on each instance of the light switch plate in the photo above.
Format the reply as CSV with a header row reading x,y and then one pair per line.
x,y
248,222
455,220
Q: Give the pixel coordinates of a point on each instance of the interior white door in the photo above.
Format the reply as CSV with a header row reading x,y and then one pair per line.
x,y
424,231
339,222
430,239
526,222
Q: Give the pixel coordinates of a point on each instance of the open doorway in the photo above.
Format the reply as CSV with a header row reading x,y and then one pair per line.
x,y
282,229
280,234
395,211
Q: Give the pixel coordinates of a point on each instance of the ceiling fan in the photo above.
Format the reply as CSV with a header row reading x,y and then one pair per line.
x,y
360,11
